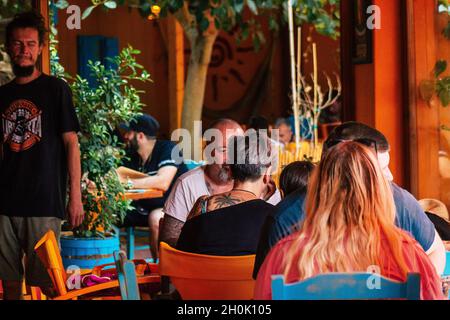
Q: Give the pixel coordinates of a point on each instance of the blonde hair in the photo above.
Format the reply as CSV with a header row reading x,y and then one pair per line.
x,y
349,206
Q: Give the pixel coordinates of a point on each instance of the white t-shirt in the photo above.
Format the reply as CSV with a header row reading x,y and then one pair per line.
x,y
188,188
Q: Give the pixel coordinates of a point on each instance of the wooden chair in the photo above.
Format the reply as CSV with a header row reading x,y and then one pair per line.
x,y
48,252
130,237
343,286
126,274
205,277
447,264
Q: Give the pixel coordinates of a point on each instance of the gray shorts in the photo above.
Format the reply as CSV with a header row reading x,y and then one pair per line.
x,y
18,236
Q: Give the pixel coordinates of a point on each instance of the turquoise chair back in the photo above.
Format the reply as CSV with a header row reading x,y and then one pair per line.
x,y
126,274
346,286
447,265
191,164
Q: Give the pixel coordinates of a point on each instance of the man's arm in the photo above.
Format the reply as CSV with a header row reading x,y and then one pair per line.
x,y
161,180
437,254
170,230
74,206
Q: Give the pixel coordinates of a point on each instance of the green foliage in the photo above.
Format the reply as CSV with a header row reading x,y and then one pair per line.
x,y
443,91
439,68
9,8
442,87
446,31
56,69
100,110
229,14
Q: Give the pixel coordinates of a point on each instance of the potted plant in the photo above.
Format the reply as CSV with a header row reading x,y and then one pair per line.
x,y
100,109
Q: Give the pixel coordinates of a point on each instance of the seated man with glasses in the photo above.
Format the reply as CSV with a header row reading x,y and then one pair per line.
x,y
410,216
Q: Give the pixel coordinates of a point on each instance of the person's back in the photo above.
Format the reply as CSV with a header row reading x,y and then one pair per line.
x,y
348,227
210,179
409,214
228,231
416,261
230,223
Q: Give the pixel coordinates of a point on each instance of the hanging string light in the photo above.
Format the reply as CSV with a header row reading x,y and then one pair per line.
x,y
155,10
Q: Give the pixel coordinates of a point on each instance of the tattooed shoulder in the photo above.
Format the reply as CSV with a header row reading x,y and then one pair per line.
x,y
225,200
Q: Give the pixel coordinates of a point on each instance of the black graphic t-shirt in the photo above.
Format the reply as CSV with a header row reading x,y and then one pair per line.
x,y
161,156
33,170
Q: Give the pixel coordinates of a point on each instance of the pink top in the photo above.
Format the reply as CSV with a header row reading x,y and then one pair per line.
x,y
415,258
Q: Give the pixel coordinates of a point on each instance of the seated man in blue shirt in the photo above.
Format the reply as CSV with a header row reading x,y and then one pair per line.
x,y
153,157
410,216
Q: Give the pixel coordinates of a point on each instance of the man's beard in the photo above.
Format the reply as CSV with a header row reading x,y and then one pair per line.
x,y
133,144
224,174
25,71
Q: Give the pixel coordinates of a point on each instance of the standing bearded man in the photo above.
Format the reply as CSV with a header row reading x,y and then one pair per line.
x,y
39,148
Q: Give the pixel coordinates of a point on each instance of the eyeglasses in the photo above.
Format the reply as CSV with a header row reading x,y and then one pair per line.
x,y
372,144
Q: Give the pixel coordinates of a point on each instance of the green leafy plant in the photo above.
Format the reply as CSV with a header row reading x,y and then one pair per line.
x,y
8,8
100,109
442,87
442,83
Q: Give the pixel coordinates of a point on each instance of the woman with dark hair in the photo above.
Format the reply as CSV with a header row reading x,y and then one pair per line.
x,y
295,176
229,223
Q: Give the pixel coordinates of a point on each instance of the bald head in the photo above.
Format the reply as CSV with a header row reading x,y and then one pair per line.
x,y
226,124
218,136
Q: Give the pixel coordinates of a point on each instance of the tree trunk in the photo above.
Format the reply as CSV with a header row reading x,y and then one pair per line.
x,y
194,92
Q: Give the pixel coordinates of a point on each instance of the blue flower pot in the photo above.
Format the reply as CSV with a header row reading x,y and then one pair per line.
x,y
87,253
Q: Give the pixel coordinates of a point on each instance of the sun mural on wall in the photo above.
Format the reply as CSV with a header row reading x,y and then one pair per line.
x,y
231,73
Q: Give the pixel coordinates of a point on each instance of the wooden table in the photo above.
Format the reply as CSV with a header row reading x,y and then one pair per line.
x,y
144,194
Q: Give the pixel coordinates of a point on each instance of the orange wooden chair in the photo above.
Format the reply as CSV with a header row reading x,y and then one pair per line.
x,y
48,252
206,277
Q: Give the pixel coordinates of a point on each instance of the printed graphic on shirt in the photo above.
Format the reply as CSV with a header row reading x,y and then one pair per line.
x,y
22,125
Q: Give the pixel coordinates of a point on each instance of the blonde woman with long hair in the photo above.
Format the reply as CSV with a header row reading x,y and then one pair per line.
x,y
349,227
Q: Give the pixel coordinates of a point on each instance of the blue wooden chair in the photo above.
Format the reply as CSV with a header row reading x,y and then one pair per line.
x,y
126,274
130,237
447,265
344,286
446,273
191,164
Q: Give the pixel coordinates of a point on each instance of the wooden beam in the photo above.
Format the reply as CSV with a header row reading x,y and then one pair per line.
x,y
42,7
348,92
175,39
388,78
424,118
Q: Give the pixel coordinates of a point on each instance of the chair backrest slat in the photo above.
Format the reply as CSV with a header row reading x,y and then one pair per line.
x,y
48,252
198,276
342,286
126,274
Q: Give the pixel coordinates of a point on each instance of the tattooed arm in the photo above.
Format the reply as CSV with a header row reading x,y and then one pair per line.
x,y
197,208
170,230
